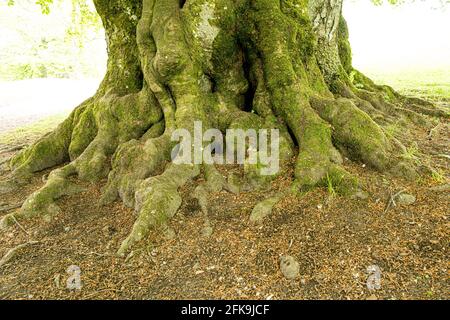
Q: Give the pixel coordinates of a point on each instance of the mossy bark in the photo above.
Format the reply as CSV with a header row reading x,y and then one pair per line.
x,y
231,64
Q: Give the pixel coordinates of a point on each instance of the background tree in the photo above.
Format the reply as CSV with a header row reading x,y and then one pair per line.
x,y
257,64
56,44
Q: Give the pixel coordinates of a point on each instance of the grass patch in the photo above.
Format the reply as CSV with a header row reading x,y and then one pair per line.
x,y
30,133
330,187
438,175
433,84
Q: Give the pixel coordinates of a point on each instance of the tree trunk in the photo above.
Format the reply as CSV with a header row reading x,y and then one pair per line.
x,y
325,16
257,64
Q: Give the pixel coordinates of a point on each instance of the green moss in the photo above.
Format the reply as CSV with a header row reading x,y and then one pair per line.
x,y
356,132
343,183
49,151
345,51
157,201
84,132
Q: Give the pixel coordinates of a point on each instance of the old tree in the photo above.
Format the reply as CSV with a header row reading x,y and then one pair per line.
x,y
231,64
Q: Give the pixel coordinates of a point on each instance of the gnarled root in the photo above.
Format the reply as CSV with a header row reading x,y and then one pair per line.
x,y
215,182
157,200
359,136
42,202
135,161
265,207
86,139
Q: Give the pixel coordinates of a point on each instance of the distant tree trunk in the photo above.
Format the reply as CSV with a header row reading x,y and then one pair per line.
x,y
231,64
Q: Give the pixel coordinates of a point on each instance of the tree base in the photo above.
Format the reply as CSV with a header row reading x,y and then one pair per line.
x,y
261,73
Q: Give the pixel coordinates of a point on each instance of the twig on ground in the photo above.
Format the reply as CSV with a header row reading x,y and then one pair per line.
x,y
44,177
430,134
4,160
11,253
10,207
290,244
392,200
19,225
445,156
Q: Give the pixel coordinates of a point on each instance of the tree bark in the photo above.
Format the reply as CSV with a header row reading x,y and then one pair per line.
x,y
325,17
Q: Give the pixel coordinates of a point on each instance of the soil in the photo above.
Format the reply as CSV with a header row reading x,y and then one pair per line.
x,y
335,239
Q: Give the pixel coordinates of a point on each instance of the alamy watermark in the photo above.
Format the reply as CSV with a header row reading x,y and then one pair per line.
x,y
374,279
238,146
74,280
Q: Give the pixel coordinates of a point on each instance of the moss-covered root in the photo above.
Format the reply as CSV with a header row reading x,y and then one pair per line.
x,y
49,151
283,39
360,138
157,200
390,102
135,161
355,131
265,207
54,148
317,153
42,202
426,109
214,182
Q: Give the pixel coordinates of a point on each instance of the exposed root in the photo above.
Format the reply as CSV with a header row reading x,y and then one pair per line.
x,y
116,119
49,151
135,161
355,132
3,161
10,207
391,201
429,110
362,139
9,185
12,149
157,200
432,130
215,182
42,202
13,252
265,207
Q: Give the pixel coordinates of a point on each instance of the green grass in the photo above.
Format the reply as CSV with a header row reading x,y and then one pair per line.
x,y
30,133
432,84
412,153
438,175
394,129
330,187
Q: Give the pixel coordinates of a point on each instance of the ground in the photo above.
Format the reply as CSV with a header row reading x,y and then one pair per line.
x,y
334,239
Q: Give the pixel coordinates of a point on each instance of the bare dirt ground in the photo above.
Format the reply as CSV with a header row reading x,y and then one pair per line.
x,y
334,239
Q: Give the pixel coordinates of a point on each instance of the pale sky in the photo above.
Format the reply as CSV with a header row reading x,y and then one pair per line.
x,y
412,36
